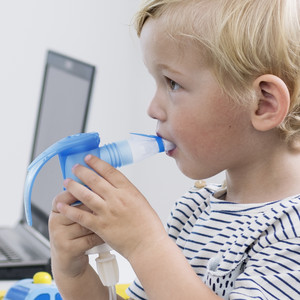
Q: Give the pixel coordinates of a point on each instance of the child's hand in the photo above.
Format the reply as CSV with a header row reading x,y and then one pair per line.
x,y
119,213
69,240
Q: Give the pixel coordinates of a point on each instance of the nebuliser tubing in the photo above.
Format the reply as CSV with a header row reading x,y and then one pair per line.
x,y
107,268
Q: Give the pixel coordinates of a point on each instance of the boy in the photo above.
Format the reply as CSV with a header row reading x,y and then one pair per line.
x,y
228,97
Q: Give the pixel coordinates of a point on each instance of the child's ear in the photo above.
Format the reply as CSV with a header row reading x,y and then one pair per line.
x,y
272,102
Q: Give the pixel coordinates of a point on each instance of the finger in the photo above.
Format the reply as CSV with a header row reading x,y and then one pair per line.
x,y
91,241
78,244
109,173
84,218
89,198
67,227
64,197
91,178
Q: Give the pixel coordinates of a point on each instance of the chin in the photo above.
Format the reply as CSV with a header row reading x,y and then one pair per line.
x,y
188,172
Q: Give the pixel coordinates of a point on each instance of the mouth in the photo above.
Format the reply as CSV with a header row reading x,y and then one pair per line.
x,y
171,152
169,145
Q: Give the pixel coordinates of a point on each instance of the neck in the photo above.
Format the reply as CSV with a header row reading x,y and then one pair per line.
x,y
271,177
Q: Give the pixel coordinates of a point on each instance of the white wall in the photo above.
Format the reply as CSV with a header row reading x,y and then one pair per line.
x,y
97,32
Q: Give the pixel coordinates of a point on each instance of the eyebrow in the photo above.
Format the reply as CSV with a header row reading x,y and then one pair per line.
x,y
164,66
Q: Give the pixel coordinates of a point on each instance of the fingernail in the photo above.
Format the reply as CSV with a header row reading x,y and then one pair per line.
x,y
66,181
59,206
74,167
88,157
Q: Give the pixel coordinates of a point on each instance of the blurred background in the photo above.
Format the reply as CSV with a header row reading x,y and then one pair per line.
x,y
98,32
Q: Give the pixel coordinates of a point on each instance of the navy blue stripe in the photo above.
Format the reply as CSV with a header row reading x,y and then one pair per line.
x,y
172,236
287,284
136,295
174,227
278,263
202,234
295,278
272,270
261,287
250,289
186,231
210,191
202,258
198,266
191,199
288,258
277,287
216,243
297,212
260,224
208,227
186,205
283,229
291,223
140,288
191,250
259,272
220,220
266,237
259,208
290,243
199,194
182,212
224,235
293,251
260,245
196,242
275,235
178,220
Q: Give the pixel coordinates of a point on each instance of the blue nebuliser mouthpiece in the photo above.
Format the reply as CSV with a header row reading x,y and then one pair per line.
x,y
73,149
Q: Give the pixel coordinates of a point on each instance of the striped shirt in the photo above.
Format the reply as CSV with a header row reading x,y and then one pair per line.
x,y
241,251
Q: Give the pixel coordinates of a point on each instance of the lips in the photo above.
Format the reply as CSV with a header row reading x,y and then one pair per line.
x,y
170,152
171,145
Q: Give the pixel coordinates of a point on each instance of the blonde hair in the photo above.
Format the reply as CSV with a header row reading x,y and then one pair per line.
x,y
242,39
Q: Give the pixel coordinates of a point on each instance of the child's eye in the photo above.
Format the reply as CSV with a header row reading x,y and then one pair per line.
x,y
174,85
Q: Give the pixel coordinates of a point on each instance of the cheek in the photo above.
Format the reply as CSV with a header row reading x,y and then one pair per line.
x,y
209,138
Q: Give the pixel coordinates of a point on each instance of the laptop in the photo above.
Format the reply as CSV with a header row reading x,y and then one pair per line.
x,y
64,103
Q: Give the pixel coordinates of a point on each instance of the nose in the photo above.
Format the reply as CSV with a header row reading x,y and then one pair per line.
x,y
157,108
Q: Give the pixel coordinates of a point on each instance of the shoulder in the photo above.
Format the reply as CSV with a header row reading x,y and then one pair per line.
x,y
189,206
193,199
284,219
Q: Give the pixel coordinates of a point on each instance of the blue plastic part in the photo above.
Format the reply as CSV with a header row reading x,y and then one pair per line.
x,y
111,153
67,146
67,162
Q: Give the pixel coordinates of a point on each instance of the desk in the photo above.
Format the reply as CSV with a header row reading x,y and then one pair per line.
x,y
6,284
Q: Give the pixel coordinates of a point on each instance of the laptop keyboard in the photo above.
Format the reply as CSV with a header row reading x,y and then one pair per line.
x,y
7,254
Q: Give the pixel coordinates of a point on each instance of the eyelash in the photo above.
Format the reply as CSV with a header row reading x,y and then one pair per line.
x,y
174,86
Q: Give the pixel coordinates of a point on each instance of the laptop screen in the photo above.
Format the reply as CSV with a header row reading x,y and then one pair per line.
x,y
63,111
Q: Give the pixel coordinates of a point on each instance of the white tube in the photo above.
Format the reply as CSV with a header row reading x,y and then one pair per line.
x,y
112,293
107,268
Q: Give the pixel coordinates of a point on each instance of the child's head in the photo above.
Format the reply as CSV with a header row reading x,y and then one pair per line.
x,y
241,40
